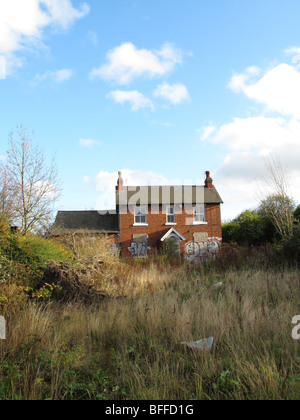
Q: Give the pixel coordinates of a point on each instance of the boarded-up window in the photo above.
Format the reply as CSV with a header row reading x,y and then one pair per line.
x,y
200,236
139,245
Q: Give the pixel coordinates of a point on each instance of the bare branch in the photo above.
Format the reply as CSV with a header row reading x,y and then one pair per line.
x,y
7,195
34,182
278,205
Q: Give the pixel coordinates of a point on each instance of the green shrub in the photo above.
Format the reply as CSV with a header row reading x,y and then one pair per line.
x,y
45,250
297,213
172,249
32,250
292,246
249,229
23,260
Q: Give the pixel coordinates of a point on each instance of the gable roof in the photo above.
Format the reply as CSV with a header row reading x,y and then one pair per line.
x,y
97,222
172,232
160,195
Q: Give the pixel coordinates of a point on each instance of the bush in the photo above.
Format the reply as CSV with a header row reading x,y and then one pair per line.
x,y
172,249
249,229
297,213
292,246
23,260
46,250
34,251
235,257
229,232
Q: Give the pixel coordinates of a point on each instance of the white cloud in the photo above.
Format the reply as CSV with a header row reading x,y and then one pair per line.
x,y
2,67
260,133
135,98
106,181
58,76
165,124
105,184
22,23
251,140
45,189
240,180
205,132
62,75
175,94
278,89
292,50
93,37
260,136
89,142
126,63
62,12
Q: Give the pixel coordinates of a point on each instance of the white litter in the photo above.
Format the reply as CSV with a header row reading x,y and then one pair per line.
x,y
2,328
218,285
204,344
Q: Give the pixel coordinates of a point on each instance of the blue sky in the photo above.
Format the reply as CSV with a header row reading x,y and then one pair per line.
x,y
163,90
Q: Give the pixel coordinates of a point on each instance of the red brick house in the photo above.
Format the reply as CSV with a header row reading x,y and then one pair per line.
x,y
149,218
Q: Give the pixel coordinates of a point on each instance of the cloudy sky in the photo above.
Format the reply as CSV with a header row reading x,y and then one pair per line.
x,y
163,90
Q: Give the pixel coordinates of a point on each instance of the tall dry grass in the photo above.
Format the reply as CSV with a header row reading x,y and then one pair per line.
x,y
129,347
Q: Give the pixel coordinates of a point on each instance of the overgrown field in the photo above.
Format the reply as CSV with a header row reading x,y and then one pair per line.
x,y
128,345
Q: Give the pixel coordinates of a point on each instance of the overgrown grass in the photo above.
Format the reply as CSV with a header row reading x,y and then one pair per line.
x,y
129,347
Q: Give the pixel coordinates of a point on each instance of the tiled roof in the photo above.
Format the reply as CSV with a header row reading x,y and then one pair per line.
x,y
168,195
85,220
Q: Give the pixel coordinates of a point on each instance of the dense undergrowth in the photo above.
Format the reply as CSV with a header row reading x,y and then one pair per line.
x,y
23,260
128,346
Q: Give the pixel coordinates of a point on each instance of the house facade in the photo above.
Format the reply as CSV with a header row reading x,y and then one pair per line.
x,y
188,218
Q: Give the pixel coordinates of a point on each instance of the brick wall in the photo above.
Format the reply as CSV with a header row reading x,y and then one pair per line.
x,y
157,228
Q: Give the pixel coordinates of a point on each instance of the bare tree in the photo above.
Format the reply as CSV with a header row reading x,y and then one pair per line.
x,y
34,183
7,195
278,205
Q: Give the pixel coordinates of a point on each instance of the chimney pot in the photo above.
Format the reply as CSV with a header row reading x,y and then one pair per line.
x,y
120,182
208,181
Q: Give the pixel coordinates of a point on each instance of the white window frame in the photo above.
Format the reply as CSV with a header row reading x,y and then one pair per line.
x,y
139,214
199,215
170,216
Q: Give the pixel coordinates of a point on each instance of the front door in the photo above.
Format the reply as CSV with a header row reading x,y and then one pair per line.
x,y
172,246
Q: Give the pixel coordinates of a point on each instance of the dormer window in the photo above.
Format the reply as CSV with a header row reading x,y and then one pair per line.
x,y
140,216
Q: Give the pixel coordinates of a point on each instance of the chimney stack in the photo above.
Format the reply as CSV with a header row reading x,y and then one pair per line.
x,y
120,182
208,180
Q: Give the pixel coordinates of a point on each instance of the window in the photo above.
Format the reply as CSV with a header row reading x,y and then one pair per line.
x,y
140,215
199,214
170,215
